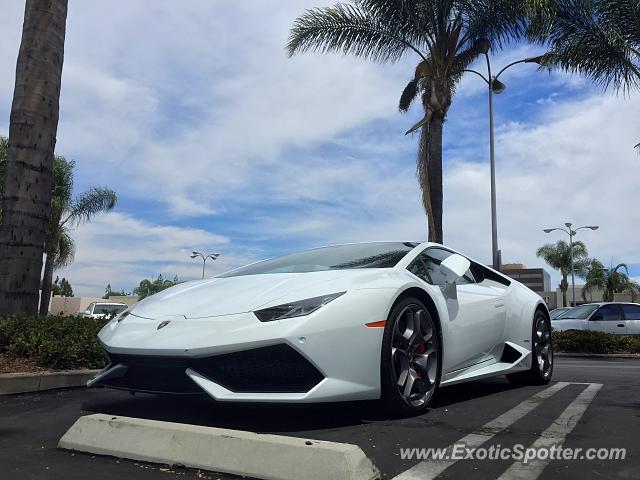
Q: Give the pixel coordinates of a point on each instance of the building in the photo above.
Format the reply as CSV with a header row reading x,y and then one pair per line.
x,y
537,279
74,305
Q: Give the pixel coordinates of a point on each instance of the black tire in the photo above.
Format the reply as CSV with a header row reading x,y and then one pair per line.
x,y
541,369
421,358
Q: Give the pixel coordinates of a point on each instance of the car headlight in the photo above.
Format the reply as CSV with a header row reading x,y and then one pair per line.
x,y
295,309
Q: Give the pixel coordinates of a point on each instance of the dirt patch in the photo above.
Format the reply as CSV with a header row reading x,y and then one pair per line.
x,y
11,364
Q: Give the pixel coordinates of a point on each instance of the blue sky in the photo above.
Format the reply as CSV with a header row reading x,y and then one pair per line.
x,y
214,140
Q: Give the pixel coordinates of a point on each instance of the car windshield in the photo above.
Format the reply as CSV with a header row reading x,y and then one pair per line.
x,y
339,257
558,312
109,309
581,312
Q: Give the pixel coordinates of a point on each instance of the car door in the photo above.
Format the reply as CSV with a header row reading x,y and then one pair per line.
x,y
608,319
476,313
632,318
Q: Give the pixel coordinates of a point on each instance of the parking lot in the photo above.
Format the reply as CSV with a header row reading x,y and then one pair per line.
x,y
503,414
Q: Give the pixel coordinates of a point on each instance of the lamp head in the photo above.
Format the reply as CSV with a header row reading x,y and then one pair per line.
x,y
548,230
193,256
537,59
593,227
568,224
497,86
483,45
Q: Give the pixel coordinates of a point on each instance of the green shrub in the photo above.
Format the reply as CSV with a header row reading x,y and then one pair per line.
x,y
54,342
582,341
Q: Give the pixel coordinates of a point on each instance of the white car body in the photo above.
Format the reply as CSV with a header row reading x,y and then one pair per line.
x,y
607,317
486,330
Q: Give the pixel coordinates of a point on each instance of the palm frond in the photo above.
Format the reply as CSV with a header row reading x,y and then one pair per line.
x,y
351,30
499,21
94,201
598,39
66,251
409,93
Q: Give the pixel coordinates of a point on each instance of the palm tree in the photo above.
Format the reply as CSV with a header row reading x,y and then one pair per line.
x,y
610,281
445,36
597,38
4,144
67,212
147,287
558,257
33,126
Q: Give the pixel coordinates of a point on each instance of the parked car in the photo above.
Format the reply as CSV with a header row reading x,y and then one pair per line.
x,y
558,312
104,309
608,317
384,320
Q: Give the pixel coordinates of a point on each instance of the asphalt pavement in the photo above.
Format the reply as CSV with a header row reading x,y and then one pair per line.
x,y
591,403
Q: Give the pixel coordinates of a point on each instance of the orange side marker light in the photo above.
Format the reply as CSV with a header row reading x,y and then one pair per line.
x,y
379,324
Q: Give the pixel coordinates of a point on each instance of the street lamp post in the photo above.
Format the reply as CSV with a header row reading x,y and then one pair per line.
x,y
204,258
572,233
497,87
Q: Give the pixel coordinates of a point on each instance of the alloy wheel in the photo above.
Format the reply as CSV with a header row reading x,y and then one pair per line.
x,y
414,355
542,346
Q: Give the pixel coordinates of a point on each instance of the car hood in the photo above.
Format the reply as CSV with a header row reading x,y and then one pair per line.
x,y
232,295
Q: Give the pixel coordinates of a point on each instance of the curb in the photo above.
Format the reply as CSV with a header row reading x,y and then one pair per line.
x,y
597,355
247,454
38,382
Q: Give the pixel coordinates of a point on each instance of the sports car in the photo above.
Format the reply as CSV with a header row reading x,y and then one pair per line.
x,y
392,321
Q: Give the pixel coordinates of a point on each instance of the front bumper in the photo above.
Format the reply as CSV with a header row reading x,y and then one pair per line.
x,y
329,355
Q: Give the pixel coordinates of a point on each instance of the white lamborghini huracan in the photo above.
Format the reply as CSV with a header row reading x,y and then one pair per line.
x,y
384,320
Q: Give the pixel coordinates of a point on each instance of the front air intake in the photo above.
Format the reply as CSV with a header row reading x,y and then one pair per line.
x,y
274,369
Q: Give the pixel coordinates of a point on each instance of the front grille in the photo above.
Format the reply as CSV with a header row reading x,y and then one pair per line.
x,y
274,369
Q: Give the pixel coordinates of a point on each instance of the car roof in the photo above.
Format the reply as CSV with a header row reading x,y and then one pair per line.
x,y
608,303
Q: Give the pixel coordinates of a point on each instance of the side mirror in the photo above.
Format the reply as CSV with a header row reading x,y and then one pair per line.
x,y
454,267
87,313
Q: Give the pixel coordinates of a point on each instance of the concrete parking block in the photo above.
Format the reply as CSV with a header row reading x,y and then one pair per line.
x,y
39,381
271,457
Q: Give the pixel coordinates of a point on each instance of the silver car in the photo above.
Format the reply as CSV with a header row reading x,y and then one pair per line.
x,y
609,317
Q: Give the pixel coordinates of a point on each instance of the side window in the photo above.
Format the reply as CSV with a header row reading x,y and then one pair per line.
x,y
427,267
418,268
610,313
631,312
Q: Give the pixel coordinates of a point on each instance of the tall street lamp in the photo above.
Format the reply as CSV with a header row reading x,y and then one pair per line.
x,y
571,232
497,87
204,258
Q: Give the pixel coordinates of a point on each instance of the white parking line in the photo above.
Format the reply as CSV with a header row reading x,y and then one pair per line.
x,y
429,469
554,435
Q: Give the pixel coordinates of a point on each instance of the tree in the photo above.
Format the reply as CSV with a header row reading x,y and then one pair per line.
x,y
68,212
61,288
445,37
4,144
596,38
147,287
108,292
558,257
609,280
33,126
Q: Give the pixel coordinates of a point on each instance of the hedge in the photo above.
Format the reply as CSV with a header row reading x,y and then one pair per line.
x,y
582,341
59,342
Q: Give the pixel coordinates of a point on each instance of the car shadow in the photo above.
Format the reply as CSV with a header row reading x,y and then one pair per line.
x,y
270,418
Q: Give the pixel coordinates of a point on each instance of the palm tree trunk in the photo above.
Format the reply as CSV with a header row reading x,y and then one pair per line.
x,y
47,280
434,167
423,178
32,138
